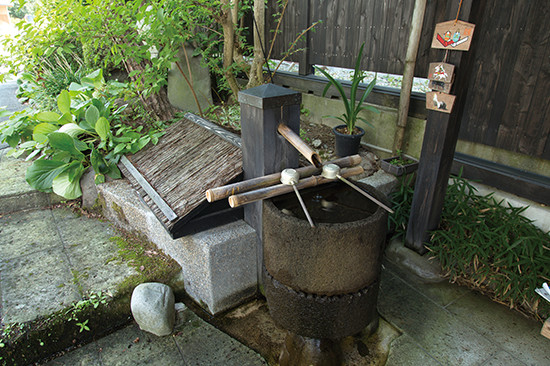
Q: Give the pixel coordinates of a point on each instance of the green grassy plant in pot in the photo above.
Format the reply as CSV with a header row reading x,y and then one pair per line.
x,y
348,136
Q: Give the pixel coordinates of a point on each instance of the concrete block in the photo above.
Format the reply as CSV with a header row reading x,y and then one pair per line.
x,y
218,265
382,181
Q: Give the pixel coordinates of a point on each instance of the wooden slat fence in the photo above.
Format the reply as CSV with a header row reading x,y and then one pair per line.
x,y
508,67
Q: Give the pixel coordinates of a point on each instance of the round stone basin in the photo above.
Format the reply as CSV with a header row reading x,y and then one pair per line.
x,y
322,282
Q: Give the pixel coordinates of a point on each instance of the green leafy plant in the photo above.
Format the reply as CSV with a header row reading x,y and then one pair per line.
x,y
351,105
400,159
83,326
86,131
401,200
486,245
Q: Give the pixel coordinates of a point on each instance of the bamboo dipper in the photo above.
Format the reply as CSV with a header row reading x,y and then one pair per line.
x,y
332,171
218,193
291,177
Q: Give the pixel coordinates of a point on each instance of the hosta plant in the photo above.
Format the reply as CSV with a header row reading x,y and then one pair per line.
x,y
85,131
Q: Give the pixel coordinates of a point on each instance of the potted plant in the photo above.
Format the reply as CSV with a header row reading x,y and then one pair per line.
x,y
348,136
399,165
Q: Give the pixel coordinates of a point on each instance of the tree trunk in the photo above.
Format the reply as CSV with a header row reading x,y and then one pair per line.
x,y
157,104
255,77
229,12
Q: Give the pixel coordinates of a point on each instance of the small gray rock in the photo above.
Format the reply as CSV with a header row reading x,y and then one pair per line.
x,y
153,308
89,189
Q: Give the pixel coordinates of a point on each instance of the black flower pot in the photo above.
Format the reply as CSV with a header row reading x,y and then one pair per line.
x,y
347,144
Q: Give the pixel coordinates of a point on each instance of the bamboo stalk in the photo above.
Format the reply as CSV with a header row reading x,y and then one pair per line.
x,y
300,145
408,73
279,189
218,193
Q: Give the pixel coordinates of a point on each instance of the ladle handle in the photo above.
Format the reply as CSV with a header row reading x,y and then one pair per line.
x,y
300,145
364,193
304,208
219,193
279,189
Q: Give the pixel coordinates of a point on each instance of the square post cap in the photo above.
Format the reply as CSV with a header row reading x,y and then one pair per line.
x,y
269,96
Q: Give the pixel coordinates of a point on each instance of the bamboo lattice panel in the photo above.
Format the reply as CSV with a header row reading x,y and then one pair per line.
x,y
188,160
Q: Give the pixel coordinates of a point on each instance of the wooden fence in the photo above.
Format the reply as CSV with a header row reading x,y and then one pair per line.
x,y
507,69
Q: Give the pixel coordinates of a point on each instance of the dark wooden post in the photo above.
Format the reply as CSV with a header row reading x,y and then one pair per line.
x,y
438,148
303,18
264,150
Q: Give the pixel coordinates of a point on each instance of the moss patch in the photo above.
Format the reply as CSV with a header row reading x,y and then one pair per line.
x,y
119,212
151,264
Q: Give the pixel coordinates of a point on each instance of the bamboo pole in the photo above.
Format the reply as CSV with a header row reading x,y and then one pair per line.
x,y
408,73
279,189
218,193
300,145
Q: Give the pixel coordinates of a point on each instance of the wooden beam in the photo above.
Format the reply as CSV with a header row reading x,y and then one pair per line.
x,y
438,148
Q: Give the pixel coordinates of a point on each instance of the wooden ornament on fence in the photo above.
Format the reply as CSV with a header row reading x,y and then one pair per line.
x,y
453,35
441,76
440,102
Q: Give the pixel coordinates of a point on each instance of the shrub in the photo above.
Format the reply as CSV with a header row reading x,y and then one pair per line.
x,y
487,246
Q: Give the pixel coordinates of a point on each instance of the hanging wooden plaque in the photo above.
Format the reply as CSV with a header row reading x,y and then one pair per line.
x,y
441,71
440,86
453,35
440,102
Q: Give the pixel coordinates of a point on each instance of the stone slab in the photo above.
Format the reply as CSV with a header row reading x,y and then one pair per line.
x,y
518,335
26,232
219,265
441,335
404,351
15,193
91,252
194,342
50,258
203,344
47,271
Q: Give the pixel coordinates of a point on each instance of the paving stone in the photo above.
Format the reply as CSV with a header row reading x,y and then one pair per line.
x,y
434,329
441,293
26,232
87,355
36,285
202,344
91,252
503,358
404,351
132,346
15,193
516,334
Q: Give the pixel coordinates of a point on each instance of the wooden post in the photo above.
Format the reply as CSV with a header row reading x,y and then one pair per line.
x,y
408,73
264,150
305,67
437,153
